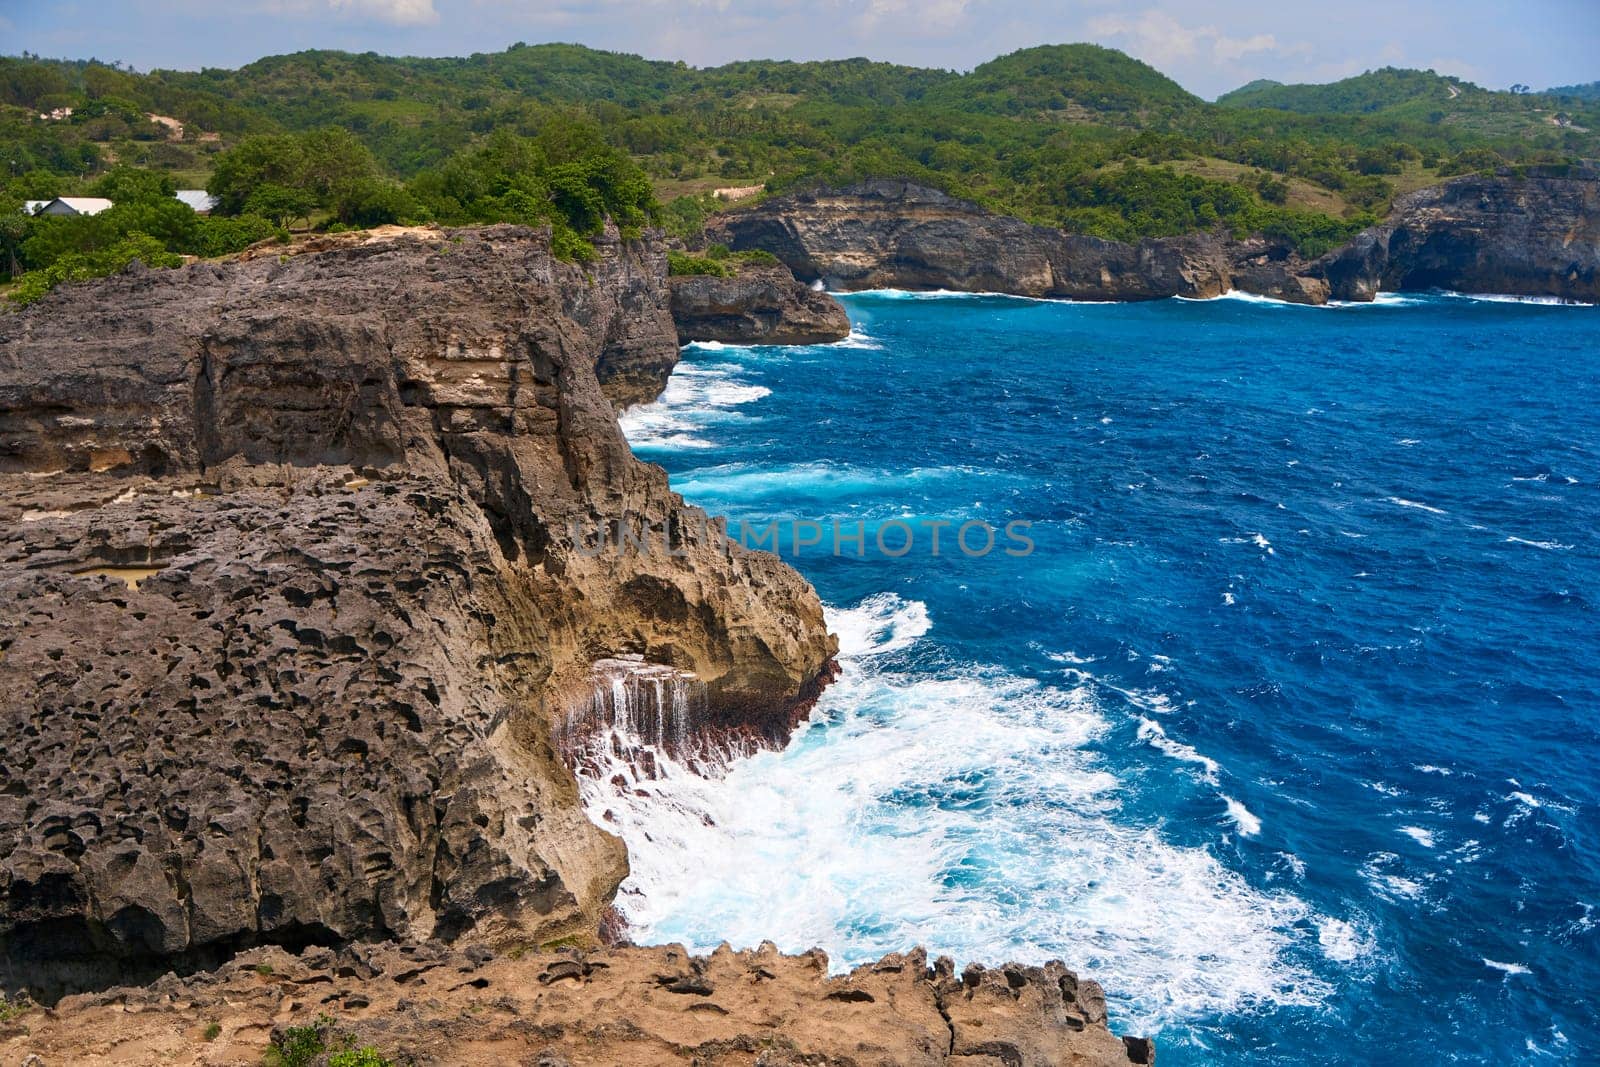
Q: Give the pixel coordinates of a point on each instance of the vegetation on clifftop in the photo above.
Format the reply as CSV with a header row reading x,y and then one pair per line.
x,y
1076,136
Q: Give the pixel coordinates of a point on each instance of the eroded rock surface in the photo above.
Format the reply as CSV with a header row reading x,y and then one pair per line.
x,y
638,1006
1532,236
896,234
292,593
760,305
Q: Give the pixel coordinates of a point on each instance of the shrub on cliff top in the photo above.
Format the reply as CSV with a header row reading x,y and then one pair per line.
x,y
80,266
717,261
682,264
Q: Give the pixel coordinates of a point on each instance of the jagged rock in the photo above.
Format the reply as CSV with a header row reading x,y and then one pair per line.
x,y
1028,1015
758,305
291,600
758,1007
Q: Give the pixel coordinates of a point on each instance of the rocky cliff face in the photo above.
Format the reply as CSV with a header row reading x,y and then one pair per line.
x,y
900,235
298,573
760,305
1537,236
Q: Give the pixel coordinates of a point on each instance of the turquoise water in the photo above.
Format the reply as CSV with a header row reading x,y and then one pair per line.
x,y
1285,731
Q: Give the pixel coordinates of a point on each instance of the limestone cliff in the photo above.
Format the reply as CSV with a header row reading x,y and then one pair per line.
x,y
759,305
895,234
1535,236
294,594
1525,236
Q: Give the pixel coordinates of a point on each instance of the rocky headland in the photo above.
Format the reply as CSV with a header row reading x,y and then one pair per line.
x,y
302,619
758,305
1533,235
296,597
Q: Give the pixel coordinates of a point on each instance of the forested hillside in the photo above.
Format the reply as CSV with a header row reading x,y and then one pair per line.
x,y
1076,136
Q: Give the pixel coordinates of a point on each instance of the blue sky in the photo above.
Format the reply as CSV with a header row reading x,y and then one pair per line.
x,y
1210,47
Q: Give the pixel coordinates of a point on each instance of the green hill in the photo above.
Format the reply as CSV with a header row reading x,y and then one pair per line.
x,y
1374,91
1082,78
1075,135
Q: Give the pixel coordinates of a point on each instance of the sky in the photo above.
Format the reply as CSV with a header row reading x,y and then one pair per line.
x,y
1209,48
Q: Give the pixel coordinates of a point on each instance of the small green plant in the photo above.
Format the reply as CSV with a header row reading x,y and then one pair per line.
x,y
300,1046
264,969
11,1009
213,1031
303,1046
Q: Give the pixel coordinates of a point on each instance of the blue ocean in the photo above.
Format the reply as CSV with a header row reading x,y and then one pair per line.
x,y
1285,729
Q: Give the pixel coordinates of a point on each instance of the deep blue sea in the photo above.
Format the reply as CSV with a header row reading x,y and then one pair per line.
x,y
1286,729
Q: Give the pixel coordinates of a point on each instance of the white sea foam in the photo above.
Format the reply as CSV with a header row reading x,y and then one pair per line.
x,y
1249,825
1512,298
855,339
1508,968
1341,942
697,397
965,811
1403,502
1548,546
1259,540
962,294
1244,297
1428,768
821,479
1380,300
1152,733
1385,880
1419,835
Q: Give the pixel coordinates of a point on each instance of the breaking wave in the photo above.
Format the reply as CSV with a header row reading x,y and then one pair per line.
x,y
962,809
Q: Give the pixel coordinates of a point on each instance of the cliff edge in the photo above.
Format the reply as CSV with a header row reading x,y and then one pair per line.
x,y
643,1007
296,599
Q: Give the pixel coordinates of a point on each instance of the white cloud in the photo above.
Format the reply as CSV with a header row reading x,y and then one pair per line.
x,y
1158,38
396,12
926,16
399,12
1230,49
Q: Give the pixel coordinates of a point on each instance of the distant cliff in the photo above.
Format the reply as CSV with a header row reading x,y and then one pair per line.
x,y
1524,235
1532,236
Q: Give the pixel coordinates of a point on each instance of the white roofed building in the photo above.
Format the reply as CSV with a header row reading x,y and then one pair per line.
x,y
199,199
74,205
